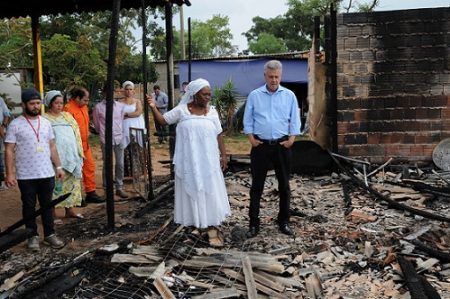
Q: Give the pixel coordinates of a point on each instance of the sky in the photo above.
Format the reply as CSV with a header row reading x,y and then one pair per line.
x,y
241,12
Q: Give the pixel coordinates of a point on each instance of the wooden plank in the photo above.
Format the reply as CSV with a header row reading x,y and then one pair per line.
x,y
267,282
259,287
219,294
130,258
249,279
162,288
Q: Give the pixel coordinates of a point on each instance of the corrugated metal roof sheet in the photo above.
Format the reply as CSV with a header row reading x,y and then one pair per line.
x,y
23,8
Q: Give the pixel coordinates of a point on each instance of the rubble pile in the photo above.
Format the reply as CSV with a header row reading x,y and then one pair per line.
x,y
362,232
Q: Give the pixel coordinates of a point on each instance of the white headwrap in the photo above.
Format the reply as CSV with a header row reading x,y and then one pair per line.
x,y
192,88
49,96
126,83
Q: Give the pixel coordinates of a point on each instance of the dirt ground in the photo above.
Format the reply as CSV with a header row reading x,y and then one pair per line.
x,y
10,211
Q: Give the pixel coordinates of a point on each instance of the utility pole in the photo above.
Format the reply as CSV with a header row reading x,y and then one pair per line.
x,y
183,48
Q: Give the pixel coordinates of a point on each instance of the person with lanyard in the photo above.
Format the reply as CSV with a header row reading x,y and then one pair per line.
x,y
30,151
271,122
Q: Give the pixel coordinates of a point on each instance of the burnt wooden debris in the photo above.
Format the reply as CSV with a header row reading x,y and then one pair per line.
x,y
362,231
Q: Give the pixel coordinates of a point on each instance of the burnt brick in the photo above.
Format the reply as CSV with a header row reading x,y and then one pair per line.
x,y
424,125
396,138
349,91
354,18
410,113
397,114
421,113
350,43
354,127
354,30
355,55
374,150
402,101
373,114
346,116
390,102
434,101
363,126
384,114
362,42
360,115
409,138
434,113
373,138
436,125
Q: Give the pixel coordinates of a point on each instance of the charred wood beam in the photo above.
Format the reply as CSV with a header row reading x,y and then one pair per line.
x,y
419,287
34,215
442,256
159,199
23,291
57,287
347,198
14,238
392,203
421,186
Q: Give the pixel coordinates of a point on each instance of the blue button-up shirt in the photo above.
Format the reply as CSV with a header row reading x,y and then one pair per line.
x,y
271,115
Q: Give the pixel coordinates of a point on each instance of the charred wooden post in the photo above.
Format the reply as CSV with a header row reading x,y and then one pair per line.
x,y
442,256
419,287
150,195
170,79
108,163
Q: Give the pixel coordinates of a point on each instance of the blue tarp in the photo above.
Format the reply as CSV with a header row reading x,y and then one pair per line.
x,y
246,74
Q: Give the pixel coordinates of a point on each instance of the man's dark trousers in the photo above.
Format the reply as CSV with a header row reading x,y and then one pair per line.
x,y
260,158
43,190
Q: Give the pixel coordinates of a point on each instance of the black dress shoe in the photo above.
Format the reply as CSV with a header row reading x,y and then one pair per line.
x,y
92,197
285,229
252,232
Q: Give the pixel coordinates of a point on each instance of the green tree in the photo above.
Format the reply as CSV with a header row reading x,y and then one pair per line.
x,y
16,48
131,69
267,43
210,38
67,62
295,28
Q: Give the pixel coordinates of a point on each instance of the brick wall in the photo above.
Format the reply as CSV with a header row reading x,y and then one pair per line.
x,y
393,83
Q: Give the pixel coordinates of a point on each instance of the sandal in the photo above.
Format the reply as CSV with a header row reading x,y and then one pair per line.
x,y
215,237
78,216
58,222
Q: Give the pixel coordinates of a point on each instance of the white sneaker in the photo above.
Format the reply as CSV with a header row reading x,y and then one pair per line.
x,y
33,243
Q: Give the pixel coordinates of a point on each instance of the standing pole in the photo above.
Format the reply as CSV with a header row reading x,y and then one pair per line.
x,y
170,87
183,46
37,55
189,51
150,195
108,163
333,77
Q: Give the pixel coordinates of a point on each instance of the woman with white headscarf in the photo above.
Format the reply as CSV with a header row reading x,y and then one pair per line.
x,y
70,150
201,198
133,114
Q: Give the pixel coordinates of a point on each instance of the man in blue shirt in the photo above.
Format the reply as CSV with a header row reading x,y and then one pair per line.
x,y
162,103
271,122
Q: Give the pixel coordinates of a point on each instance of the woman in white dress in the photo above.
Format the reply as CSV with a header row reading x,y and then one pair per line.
x,y
133,114
201,198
